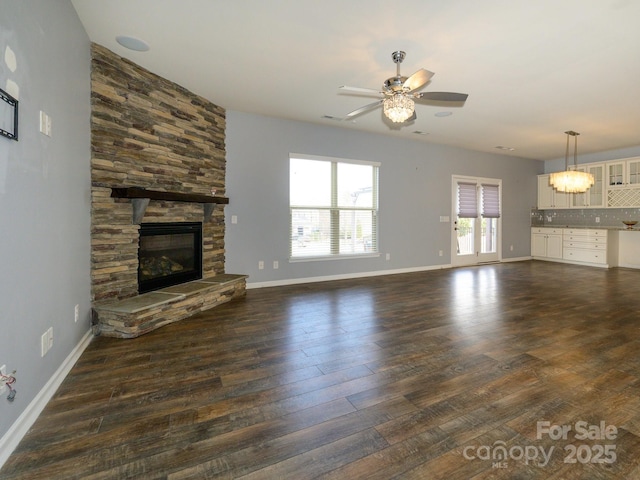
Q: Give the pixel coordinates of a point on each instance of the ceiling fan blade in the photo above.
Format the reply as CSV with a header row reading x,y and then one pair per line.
x,y
418,80
364,109
361,91
449,98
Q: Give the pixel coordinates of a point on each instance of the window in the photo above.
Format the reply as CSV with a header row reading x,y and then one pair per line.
x,y
334,207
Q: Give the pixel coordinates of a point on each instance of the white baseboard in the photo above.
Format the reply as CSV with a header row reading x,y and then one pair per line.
x,y
628,265
21,426
516,259
345,276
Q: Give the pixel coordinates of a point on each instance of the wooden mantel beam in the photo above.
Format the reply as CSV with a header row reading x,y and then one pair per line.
x,y
140,198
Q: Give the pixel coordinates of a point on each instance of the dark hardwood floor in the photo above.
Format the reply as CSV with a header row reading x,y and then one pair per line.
x,y
423,375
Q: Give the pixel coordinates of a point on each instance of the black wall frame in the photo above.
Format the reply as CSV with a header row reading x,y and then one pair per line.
x,y
8,115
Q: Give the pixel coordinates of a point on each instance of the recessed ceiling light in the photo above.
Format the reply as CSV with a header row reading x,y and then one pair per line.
x,y
420,132
510,149
443,114
132,43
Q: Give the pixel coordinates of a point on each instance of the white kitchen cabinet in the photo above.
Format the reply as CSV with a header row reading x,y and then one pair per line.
x,y
585,245
617,185
549,197
594,197
633,171
616,173
546,243
623,172
629,248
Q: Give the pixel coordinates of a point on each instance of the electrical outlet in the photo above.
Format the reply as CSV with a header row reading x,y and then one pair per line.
x,y
597,219
261,265
440,253
276,265
388,256
511,248
76,313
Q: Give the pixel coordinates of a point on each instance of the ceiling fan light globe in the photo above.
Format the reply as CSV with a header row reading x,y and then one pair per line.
x,y
398,108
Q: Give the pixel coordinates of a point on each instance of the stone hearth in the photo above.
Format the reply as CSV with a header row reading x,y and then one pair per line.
x,y
137,315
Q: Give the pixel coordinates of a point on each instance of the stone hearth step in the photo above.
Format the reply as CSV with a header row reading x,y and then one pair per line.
x,y
132,317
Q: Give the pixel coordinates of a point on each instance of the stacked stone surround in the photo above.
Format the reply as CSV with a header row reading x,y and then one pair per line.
x,y
148,132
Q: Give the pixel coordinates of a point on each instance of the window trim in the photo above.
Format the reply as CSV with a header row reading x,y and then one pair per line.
x,y
302,156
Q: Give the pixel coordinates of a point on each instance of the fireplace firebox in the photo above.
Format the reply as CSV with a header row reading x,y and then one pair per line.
x,y
169,254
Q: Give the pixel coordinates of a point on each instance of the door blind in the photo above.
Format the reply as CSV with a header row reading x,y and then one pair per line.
x,y
467,200
490,201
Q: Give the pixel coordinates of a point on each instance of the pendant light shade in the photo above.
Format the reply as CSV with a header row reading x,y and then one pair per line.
x,y
571,181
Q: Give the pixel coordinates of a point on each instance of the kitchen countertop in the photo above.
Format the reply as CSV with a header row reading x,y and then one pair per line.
x,y
592,227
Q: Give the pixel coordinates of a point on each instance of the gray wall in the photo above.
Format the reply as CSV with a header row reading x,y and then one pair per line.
x,y
44,195
415,190
559,163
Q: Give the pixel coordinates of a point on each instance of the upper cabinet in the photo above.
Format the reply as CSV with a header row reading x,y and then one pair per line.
x,y
633,171
623,172
615,173
617,185
549,197
595,196
623,183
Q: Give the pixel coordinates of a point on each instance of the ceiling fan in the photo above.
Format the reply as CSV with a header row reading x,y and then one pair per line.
x,y
400,94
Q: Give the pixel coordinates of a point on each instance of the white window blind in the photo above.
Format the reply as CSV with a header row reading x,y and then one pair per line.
x,y
467,200
334,207
490,201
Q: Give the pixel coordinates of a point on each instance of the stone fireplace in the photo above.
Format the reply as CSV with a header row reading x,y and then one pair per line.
x,y
157,158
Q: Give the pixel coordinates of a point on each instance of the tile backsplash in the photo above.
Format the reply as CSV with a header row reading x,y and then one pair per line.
x,y
584,217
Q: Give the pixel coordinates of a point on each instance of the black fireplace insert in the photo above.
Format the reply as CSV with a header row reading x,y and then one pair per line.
x,y
169,254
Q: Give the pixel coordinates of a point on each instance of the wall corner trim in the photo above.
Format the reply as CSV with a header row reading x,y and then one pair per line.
x,y
21,426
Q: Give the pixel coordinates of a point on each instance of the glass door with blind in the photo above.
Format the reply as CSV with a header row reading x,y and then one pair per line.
x,y
476,236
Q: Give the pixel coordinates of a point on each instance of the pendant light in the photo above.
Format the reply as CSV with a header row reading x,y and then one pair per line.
x,y
571,181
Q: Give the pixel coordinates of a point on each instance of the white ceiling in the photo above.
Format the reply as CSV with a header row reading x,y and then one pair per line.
x,y
532,68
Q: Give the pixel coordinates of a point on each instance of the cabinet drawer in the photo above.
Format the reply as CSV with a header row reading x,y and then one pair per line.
x,y
581,232
585,238
547,230
584,255
586,232
584,245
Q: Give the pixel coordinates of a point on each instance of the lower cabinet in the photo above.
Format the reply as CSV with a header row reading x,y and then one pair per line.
x,y
585,245
546,242
574,245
